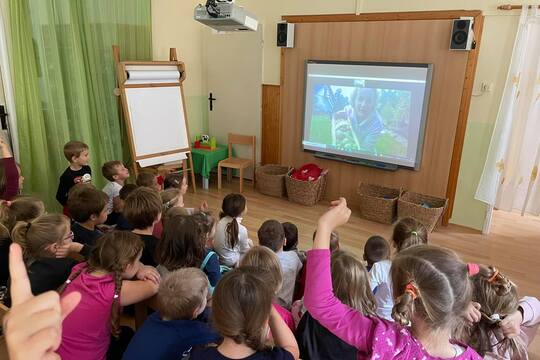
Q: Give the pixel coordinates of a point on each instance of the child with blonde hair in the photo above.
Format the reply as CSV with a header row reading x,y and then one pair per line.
x,y
432,288
407,232
231,240
111,278
41,240
180,322
243,314
350,282
22,208
507,324
267,262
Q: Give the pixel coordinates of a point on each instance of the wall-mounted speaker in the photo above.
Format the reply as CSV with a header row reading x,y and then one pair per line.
x,y
462,34
285,34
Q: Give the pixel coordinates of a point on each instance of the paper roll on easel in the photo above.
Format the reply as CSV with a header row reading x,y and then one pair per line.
x,y
152,76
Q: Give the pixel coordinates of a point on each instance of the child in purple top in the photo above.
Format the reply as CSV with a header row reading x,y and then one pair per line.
x,y
432,288
105,285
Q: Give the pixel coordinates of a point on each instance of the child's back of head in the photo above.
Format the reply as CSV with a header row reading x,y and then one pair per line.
x,y
409,232
39,237
376,249
233,206
271,235
291,234
241,306
497,295
350,281
142,207
266,261
334,240
181,245
430,284
171,198
86,203
21,208
172,181
148,179
182,294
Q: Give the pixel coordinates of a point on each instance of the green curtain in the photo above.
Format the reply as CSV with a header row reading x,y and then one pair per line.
x,y
64,76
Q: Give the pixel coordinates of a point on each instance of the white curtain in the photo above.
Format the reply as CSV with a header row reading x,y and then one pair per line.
x,y
7,84
510,177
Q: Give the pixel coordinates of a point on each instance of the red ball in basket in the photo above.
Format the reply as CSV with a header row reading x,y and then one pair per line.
x,y
308,172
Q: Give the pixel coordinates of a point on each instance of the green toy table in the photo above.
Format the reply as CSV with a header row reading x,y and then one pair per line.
x,y
205,160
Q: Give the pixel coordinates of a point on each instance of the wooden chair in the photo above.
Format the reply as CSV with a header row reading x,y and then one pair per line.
x,y
238,163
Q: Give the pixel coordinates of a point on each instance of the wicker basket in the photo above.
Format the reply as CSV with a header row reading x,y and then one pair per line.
x,y
306,192
424,208
378,203
271,180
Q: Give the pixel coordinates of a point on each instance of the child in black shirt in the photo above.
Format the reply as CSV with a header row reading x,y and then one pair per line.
x,y
78,171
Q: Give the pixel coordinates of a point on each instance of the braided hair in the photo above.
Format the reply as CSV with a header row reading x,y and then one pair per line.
x,y
113,252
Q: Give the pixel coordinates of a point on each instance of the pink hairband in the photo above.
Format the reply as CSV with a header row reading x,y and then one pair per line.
x,y
473,269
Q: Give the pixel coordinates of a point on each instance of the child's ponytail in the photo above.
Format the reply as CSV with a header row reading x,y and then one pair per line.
x,y
404,307
233,206
19,235
116,308
497,296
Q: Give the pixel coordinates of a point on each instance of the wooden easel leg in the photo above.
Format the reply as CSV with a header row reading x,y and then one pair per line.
x,y
229,175
192,174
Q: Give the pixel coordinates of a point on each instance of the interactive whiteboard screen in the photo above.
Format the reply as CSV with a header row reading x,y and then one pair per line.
x,y
157,121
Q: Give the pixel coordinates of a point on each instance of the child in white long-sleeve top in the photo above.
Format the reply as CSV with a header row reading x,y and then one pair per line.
x,y
231,240
407,232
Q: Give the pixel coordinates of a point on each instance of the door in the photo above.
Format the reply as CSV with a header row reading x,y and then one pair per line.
x,y
234,78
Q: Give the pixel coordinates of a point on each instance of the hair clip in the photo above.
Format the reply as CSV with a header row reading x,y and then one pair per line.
x,y
473,269
412,290
492,319
116,296
28,226
68,281
494,276
414,233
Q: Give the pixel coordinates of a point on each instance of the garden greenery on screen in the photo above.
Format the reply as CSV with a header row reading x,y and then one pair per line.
x,y
372,111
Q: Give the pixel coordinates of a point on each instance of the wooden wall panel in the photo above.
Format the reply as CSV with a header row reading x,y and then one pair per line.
x,y
270,128
415,41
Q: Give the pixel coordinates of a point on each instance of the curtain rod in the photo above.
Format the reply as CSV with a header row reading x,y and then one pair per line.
x,y
515,7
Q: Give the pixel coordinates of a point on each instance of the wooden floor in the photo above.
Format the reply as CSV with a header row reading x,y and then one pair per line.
x,y
513,246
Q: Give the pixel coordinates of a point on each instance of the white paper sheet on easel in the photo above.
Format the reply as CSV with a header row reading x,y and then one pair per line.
x,y
162,160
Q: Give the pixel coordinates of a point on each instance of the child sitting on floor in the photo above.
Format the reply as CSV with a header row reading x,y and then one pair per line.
x,y
116,174
242,313
376,249
350,282
183,245
231,240
407,232
271,235
179,324
266,261
143,210
113,277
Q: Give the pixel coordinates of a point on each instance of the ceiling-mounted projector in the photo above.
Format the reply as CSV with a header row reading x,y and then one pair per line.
x,y
224,15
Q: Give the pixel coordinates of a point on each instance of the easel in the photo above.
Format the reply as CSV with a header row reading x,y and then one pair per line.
x,y
121,72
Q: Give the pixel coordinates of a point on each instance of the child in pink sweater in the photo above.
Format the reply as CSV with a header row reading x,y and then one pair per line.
x,y
432,289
